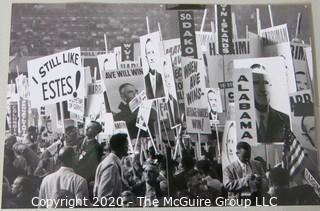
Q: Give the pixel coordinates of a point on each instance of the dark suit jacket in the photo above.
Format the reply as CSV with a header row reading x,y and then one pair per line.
x,y
159,86
87,166
234,180
276,127
174,120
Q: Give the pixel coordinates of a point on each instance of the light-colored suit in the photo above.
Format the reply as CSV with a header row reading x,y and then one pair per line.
x,y
108,180
235,181
63,179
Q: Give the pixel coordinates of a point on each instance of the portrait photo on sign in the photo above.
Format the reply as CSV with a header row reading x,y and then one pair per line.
x,y
214,104
170,88
303,118
122,86
151,54
271,97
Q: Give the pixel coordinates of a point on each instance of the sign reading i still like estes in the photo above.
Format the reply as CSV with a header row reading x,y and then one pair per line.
x,y
56,78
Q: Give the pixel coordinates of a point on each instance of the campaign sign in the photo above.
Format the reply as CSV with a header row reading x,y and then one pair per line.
x,y
214,104
173,47
24,116
275,41
22,86
187,34
144,114
229,146
135,103
13,117
56,78
224,33
194,94
127,52
301,71
245,107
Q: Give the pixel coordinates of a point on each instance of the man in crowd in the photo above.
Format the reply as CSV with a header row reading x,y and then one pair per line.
x,y
64,179
9,171
90,152
153,80
245,177
285,195
150,186
31,138
108,177
271,124
22,191
48,159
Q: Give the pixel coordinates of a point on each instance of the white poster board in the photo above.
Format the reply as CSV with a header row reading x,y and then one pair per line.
x,y
56,78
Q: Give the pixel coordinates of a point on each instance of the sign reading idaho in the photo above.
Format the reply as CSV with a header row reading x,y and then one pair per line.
x,y
56,78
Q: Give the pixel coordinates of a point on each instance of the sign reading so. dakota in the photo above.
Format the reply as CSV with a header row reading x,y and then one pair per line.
x,y
56,78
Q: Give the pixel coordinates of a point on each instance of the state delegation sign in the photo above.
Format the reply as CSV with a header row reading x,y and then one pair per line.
x,y
56,78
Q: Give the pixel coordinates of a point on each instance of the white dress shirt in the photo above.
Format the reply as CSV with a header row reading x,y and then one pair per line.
x,y
153,83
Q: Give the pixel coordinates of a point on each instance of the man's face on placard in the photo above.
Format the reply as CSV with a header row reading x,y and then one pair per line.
x,y
261,86
309,128
301,81
213,101
151,55
128,93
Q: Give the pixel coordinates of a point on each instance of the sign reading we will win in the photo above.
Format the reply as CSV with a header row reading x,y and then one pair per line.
x,y
196,108
56,78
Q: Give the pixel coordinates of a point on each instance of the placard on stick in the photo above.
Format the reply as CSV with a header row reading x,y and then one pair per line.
x,y
214,104
245,108
194,94
56,78
275,41
144,114
152,65
302,75
224,29
187,34
271,97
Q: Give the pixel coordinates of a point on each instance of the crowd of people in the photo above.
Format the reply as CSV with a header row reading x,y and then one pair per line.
x,y
75,166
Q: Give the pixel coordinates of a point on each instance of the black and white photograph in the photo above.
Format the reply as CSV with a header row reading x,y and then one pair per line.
x,y
160,105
